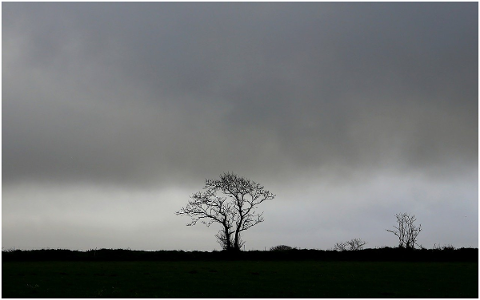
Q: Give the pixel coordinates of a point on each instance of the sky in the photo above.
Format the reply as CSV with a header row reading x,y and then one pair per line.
x,y
114,114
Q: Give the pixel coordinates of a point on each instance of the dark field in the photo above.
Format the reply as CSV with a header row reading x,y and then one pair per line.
x,y
239,279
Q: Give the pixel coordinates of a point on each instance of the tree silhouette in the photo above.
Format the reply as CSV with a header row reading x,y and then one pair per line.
x,y
352,245
229,201
406,231
281,248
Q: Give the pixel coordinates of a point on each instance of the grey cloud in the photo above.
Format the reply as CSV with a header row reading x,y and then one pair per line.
x,y
150,95
277,68
324,83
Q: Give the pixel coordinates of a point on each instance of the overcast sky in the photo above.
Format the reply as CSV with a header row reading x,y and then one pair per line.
x,y
115,113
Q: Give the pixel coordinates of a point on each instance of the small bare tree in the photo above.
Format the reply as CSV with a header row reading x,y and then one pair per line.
x,y
352,245
229,201
340,246
356,244
406,231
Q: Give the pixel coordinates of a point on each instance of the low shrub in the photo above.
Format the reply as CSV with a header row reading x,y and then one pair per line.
x,y
281,248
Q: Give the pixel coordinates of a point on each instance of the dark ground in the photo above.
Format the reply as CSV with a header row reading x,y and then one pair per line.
x,y
371,273
377,254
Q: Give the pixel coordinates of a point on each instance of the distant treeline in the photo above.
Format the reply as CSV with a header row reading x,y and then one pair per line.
x,y
376,254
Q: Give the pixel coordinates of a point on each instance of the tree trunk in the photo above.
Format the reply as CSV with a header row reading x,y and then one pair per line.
x,y
237,240
228,239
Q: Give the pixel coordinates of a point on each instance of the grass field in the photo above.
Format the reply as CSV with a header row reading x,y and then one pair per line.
x,y
240,279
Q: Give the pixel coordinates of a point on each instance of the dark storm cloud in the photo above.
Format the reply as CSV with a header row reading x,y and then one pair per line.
x,y
140,93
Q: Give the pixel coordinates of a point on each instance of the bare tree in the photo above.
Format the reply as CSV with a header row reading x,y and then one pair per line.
x,y
352,245
340,246
356,244
406,231
231,202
